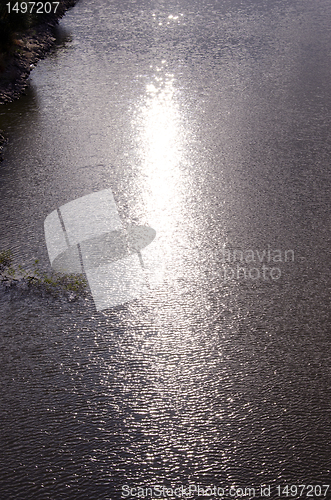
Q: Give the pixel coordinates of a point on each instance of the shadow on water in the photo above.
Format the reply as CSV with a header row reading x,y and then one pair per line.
x,y
62,38
12,114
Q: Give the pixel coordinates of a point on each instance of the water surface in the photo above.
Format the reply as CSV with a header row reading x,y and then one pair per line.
x,y
209,121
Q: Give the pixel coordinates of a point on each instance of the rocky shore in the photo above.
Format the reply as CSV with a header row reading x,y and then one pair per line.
x,y
29,47
68,286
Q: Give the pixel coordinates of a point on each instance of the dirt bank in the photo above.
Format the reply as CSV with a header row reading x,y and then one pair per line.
x,y
29,47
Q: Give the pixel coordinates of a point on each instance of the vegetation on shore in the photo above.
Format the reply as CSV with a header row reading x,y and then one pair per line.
x,y
55,284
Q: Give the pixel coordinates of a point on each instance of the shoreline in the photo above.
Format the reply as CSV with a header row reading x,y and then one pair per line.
x,y
32,46
3,142
70,286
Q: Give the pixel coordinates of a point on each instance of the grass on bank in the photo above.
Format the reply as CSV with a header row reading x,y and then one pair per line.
x,y
53,283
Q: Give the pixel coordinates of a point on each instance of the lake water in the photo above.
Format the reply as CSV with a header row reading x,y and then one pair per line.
x,y
209,122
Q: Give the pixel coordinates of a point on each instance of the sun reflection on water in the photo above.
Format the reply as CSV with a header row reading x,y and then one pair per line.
x,y
161,151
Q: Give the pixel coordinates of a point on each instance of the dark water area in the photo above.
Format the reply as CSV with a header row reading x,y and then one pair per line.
x,y
210,123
